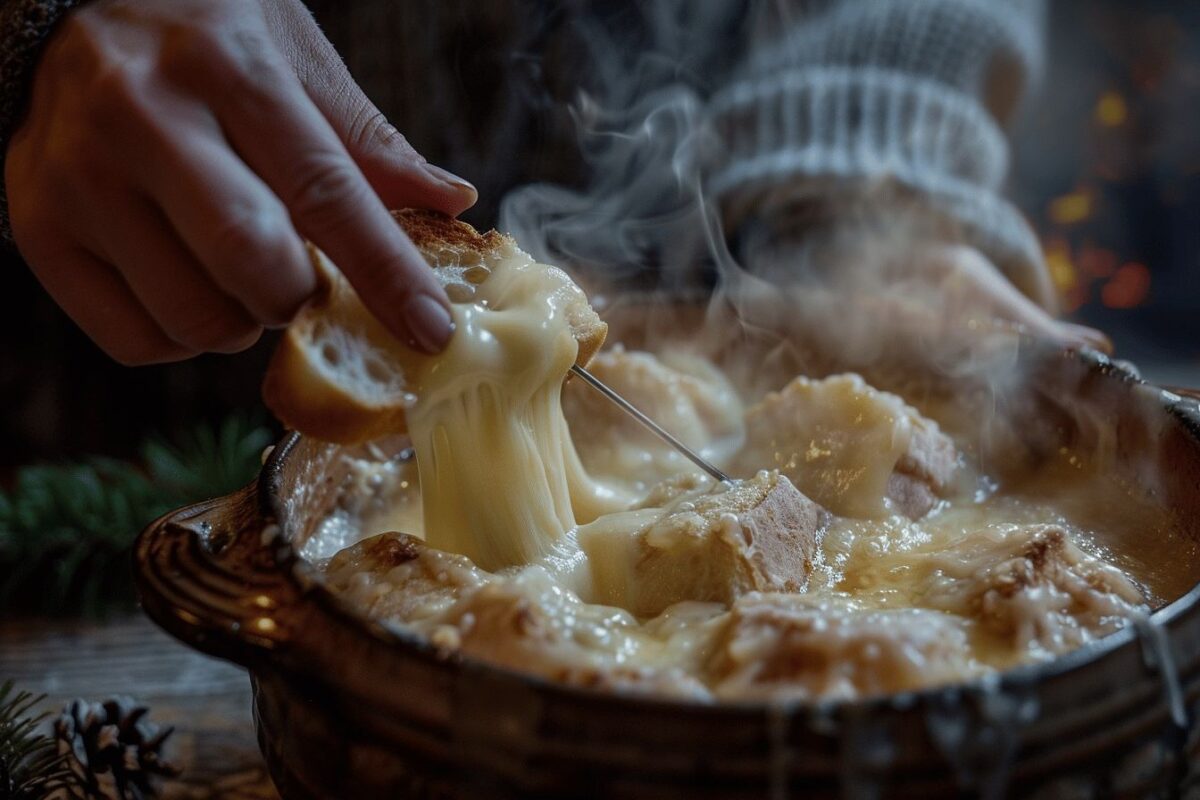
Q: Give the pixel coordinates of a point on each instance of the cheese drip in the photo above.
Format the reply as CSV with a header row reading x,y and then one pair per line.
x,y
500,479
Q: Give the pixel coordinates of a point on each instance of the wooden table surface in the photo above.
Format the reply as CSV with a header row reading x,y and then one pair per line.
x,y
206,700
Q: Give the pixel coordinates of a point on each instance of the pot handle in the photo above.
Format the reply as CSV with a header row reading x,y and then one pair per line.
x,y
1191,394
205,577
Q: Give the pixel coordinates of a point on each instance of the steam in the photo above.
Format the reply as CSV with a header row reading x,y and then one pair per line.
x,y
851,275
638,218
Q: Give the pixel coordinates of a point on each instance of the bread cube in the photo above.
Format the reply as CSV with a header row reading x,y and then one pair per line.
x,y
715,545
857,451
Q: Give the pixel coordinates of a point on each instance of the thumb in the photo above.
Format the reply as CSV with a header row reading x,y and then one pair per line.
x,y
399,174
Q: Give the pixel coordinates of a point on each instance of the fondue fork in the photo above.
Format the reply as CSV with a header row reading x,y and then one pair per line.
x,y
655,428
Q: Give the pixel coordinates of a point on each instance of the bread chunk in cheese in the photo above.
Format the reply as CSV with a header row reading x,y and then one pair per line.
x,y
795,646
855,450
526,621
709,545
684,393
522,619
1032,592
396,576
500,479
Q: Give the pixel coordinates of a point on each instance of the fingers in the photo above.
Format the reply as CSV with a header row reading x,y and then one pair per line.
x,y
400,176
232,224
102,305
284,138
1073,335
171,285
172,161
1010,303
397,172
974,285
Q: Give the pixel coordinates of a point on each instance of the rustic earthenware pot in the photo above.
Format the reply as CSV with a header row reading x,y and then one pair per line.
x,y
348,709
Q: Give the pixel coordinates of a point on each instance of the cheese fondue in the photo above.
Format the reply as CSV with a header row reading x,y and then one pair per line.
x,y
860,553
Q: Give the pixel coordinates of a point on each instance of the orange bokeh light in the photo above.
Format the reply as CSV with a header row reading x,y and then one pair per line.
x,y
1129,286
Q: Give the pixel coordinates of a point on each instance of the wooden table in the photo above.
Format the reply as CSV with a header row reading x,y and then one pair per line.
x,y
206,700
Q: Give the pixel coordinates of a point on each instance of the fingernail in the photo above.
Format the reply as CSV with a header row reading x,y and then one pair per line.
x,y
429,323
450,179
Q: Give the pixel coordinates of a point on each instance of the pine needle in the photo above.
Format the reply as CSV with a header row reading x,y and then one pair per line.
x,y
30,766
66,529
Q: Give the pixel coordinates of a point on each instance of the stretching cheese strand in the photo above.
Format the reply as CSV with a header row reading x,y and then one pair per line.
x,y
500,479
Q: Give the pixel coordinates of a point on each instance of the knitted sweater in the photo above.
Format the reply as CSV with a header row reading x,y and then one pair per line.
x,y
802,101
878,100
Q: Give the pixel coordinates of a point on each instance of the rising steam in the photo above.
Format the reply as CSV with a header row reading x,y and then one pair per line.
x,y
813,276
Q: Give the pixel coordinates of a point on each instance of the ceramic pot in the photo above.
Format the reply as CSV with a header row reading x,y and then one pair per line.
x,y
348,709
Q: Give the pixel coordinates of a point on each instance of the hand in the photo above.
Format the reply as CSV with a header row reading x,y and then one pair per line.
x,y
919,319
174,154
968,293
931,300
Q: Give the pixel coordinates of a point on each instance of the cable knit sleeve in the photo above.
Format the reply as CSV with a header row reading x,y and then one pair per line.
x,y
24,27
864,100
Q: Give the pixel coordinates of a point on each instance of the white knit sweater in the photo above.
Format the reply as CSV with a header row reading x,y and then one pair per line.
x,y
777,106
852,98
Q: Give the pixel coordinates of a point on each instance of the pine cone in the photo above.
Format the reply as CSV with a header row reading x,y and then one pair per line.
x,y
114,751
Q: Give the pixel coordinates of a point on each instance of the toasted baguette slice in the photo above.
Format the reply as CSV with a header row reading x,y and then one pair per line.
x,y
339,375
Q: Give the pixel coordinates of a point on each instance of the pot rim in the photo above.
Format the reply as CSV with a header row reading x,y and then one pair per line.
x,y
288,560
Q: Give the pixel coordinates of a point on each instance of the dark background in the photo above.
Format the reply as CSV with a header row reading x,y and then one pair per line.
x,y
1106,165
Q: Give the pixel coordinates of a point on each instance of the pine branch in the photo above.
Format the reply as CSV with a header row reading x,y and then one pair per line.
x,y
30,766
66,530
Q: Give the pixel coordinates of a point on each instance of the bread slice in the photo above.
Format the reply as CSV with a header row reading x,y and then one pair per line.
x,y
339,375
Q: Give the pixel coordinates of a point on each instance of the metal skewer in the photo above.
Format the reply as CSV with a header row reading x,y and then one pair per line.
x,y
654,427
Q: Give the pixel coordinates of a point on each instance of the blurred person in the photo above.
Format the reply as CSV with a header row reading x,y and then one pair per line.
x,y
165,159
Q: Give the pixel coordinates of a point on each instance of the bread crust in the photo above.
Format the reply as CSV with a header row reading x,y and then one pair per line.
x,y
310,398
435,233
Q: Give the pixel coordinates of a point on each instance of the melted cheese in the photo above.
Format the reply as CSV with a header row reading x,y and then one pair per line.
x,y
681,391
838,439
530,562
893,605
500,479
